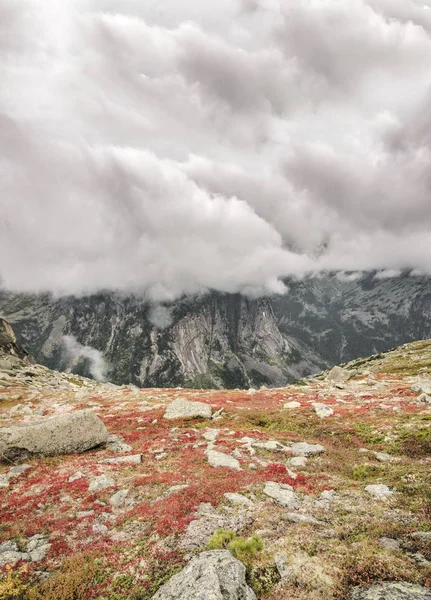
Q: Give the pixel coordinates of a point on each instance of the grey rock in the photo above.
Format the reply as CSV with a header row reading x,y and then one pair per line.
x,y
213,575
239,499
75,476
422,387
322,410
298,518
100,483
424,399
211,435
379,491
297,461
133,459
100,528
305,449
383,457
282,493
116,443
292,405
119,498
271,445
339,375
219,459
37,547
389,544
184,409
66,434
391,591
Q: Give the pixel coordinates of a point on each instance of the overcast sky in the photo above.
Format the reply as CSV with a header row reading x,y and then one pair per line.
x,y
174,146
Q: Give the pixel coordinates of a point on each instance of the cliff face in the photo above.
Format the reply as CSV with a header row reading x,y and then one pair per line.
x,y
219,340
223,340
10,351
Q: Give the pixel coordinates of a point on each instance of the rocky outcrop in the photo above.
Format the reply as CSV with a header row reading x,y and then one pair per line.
x,y
213,575
66,434
11,353
391,591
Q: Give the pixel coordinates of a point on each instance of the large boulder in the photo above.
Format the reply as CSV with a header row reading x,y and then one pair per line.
x,y
213,575
391,591
66,434
184,409
340,375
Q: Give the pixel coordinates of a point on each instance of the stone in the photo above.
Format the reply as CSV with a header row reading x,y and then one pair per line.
x,y
219,459
100,528
297,461
292,405
271,445
76,476
133,459
389,544
100,483
383,457
184,409
422,387
339,375
379,491
282,493
211,435
37,547
116,443
391,591
298,518
68,433
424,399
212,575
239,499
306,449
322,410
119,498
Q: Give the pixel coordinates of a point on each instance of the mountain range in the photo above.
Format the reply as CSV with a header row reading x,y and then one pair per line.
x,y
223,340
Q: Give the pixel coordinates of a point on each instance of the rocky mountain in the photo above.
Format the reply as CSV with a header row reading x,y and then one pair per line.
x,y
313,491
224,340
218,340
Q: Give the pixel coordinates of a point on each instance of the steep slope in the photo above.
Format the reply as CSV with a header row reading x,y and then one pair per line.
x,y
212,341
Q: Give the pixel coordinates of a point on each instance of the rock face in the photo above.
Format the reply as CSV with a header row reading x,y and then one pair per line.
x,y
11,352
183,409
213,341
66,434
213,575
391,591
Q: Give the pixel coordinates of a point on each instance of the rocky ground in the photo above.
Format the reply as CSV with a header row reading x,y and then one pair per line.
x,y
321,489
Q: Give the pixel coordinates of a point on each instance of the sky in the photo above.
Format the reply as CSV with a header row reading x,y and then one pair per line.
x,y
169,147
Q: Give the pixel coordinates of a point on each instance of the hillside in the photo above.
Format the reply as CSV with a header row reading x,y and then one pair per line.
x,y
328,480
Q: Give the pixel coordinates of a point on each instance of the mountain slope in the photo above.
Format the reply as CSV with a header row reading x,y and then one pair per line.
x,y
218,340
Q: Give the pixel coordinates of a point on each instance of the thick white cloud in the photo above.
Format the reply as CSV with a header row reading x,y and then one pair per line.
x,y
177,147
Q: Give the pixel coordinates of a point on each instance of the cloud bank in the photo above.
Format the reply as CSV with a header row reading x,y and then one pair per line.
x,y
173,148
75,352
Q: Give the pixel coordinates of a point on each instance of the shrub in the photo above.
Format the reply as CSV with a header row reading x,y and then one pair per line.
x,y
12,587
365,471
244,550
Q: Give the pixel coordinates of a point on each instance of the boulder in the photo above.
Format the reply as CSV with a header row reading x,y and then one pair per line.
x,y
183,409
391,591
422,387
212,575
219,459
306,449
339,375
66,434
322,410
282,493
379,491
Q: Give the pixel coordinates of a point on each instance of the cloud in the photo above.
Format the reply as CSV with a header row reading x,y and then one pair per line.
x,y
176,149
75,352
